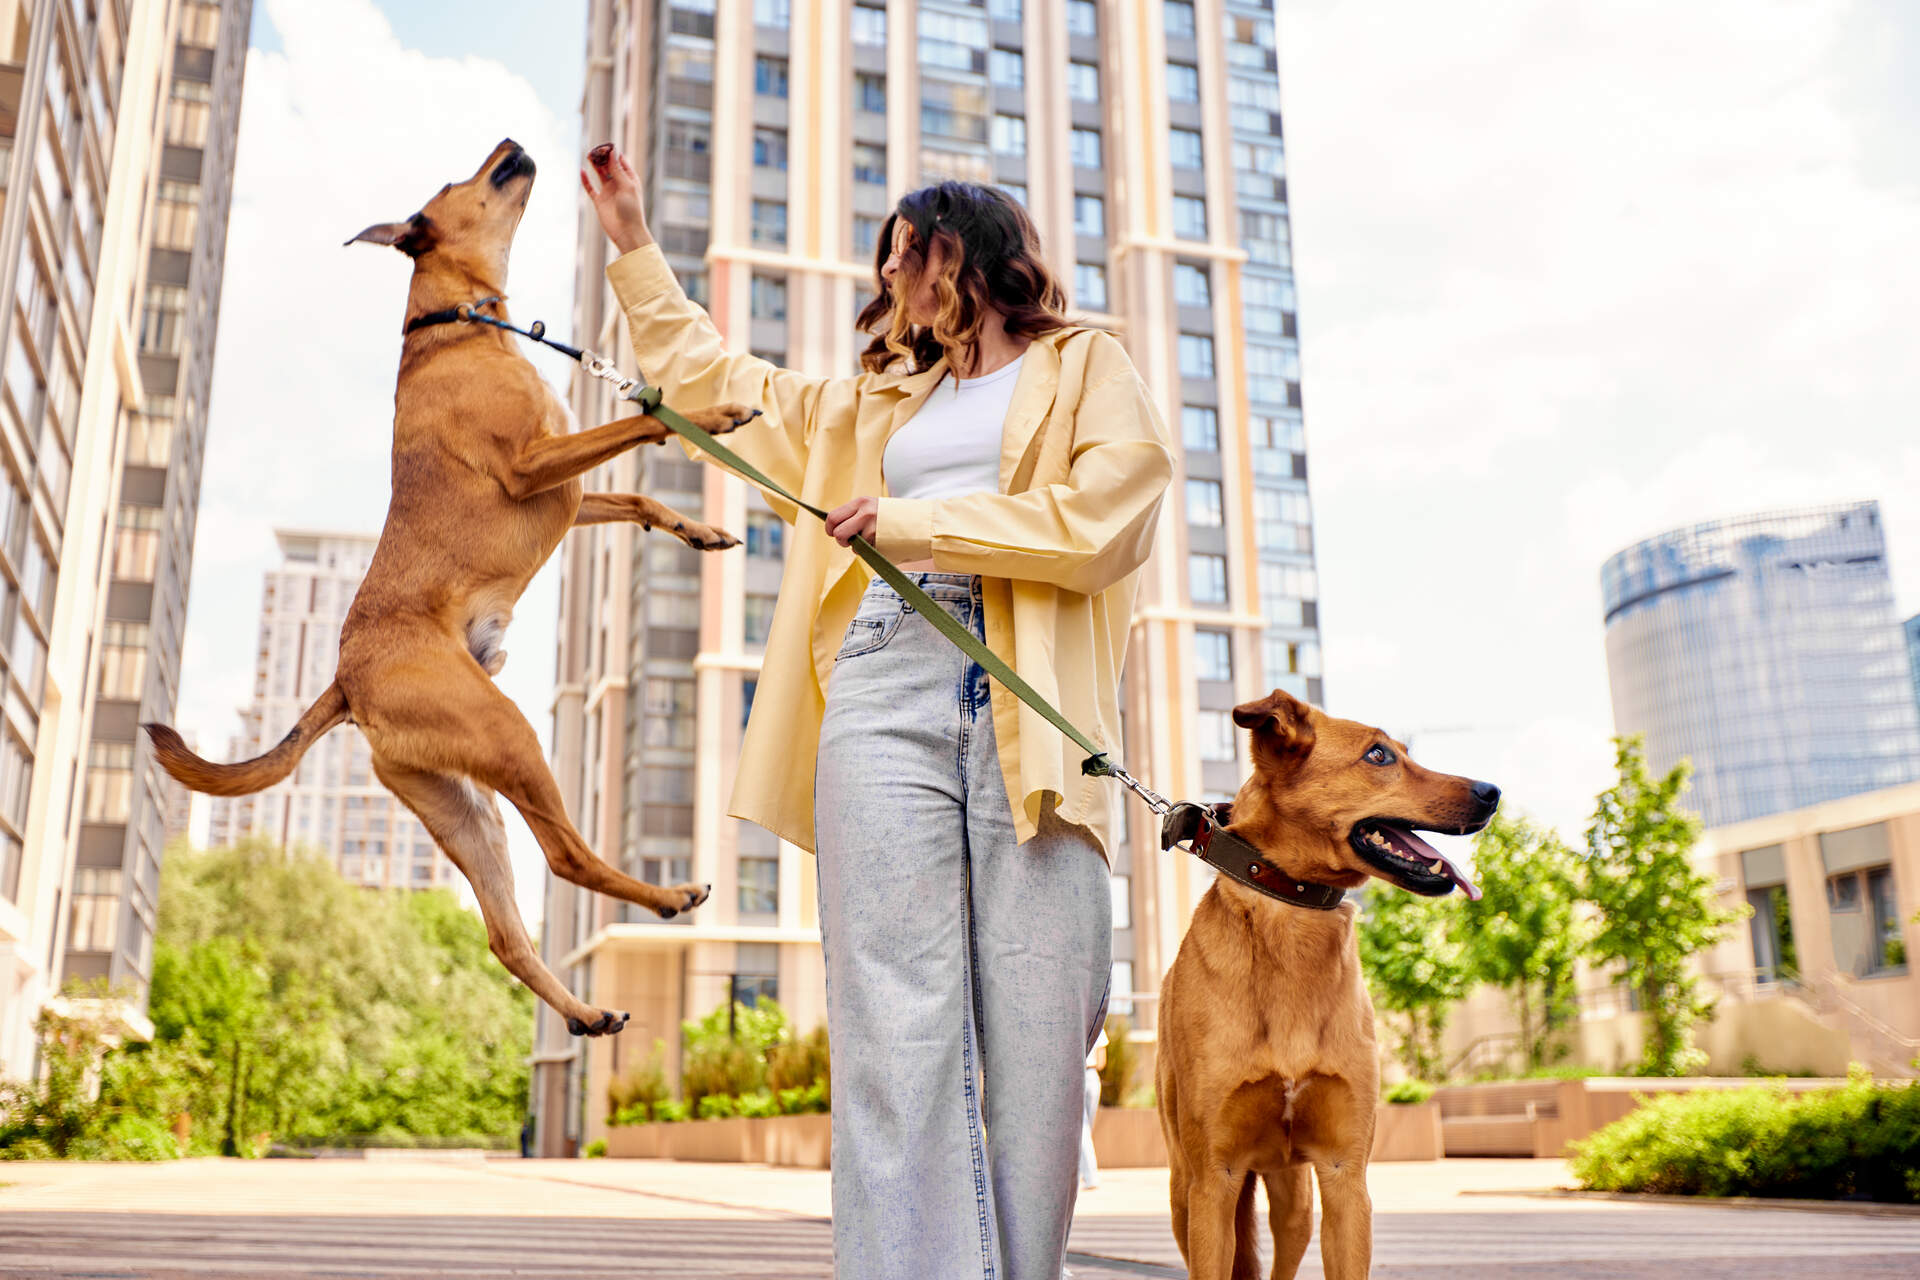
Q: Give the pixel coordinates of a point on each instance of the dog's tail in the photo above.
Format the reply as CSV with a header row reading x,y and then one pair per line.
x,y
259,773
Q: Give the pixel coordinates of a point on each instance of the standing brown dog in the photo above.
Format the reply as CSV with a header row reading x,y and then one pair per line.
x,y
1266,1060
486,481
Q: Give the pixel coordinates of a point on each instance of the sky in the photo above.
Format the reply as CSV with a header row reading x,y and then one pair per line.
x,y
1570,274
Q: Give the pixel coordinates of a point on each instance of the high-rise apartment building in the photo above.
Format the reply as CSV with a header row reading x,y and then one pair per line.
x,y
1765,650
773,140
1910,631
92,93
332,803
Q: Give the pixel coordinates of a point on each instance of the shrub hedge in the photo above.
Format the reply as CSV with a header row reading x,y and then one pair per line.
x,y
1857,1142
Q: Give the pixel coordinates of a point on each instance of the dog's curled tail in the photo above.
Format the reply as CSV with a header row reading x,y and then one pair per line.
x,y
259,773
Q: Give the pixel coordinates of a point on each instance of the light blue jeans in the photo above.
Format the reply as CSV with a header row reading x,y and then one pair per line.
x,y
966,974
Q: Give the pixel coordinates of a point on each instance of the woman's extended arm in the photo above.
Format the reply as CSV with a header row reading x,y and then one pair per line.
x,y
680,351
1083,534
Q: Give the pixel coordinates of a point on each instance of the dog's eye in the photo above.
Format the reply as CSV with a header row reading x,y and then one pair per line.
x,y
1379,755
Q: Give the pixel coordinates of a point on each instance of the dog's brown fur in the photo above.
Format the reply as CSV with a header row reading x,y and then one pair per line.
x,y
486,481
1266,1063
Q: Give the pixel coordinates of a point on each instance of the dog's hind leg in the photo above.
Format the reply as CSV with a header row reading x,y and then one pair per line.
x,y
1213,1197
1346,1217
635,508
1246,1235
465,822
1290,1215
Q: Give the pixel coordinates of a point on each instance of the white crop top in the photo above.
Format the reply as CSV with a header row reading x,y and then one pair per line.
x,y
951,445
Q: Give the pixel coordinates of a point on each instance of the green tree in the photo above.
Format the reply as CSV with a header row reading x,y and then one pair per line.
x,y
1656,909
1523,935
1416,969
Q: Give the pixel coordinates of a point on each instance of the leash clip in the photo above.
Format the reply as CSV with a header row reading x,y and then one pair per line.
x,y
598,366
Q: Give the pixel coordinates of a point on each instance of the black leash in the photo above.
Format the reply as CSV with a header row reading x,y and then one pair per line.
x,y
1203,829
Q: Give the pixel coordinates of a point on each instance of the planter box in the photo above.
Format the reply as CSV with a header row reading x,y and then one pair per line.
x,y
794,1141
1406,1131
1129,1138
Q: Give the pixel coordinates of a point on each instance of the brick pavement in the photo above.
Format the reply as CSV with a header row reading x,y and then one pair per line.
x,y
587,1220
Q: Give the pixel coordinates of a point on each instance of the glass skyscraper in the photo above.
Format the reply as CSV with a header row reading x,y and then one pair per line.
x,y
1764,649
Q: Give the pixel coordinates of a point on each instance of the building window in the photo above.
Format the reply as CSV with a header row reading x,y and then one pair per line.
x,y
162,319
123,660
958,111
1186,148
189,106
869,25
747,689
1190,285
1207,578
767,298
1121,887
1120,997
870,164
766,536
1213,655
866,235
869,92
1010,135
176,215
1016,191
1871,939
96,908
770,223
1083,18
757,618
1190,217
1183,82
200,25
769,76
759,886
1203,503
1089,216
1083,82
109,781
952,41
1199,428
1085,148
1196,355
1004,10
1090,285
689,150
1006,68
1178,15
773,13
770,149
136,543
1216,736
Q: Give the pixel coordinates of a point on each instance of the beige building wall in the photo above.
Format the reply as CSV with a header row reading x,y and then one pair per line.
x,y
774,139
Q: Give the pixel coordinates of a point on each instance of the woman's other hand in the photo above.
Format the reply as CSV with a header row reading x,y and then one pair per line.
x,y
617,200
857,518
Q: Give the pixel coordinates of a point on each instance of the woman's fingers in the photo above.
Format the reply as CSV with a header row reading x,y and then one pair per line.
x,y
587,186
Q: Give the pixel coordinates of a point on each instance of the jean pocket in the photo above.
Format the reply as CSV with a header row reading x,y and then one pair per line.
x,y
871,629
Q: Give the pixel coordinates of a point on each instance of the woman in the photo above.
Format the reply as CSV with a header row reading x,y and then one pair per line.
x,y
1016,463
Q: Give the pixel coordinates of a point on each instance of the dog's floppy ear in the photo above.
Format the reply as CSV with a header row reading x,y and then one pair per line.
x,y
1281,720
412,237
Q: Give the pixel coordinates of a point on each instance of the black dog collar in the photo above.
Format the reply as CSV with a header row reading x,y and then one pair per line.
x,y
1203,829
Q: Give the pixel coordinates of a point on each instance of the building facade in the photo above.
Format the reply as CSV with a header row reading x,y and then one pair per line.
x,y
1910,630
86,97
331,803
1764,649
773,139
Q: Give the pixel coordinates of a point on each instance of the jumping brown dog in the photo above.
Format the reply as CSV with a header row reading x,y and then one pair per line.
x,y
486,481
1266,1063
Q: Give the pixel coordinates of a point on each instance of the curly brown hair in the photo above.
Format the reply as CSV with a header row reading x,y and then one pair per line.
x,y
990,260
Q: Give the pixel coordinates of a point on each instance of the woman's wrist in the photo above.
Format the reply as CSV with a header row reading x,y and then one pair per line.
x,y
627,239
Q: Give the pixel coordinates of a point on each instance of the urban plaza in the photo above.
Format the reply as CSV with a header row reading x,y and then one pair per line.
x,y
959,640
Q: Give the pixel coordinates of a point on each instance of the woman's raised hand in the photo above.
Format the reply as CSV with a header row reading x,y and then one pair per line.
x,y
617,199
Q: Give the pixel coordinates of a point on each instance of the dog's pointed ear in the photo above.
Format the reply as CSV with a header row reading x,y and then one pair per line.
x,y
1280,720
412,237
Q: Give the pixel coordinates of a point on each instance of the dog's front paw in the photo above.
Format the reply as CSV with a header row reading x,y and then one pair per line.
x,y
610,1023
689,896
722,418
704,537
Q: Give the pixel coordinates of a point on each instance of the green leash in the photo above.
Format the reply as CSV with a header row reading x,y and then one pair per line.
x,y
1098,764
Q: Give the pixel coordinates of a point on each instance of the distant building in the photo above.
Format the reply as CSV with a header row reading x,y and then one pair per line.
x,y
1911,629
331,803
1764,649
116,149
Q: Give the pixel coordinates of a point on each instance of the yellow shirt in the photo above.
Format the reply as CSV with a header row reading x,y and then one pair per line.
x,y
1084,463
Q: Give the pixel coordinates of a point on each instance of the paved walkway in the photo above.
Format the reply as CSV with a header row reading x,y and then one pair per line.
x,y
594,1220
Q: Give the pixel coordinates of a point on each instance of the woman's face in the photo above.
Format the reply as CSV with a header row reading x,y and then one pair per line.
x,y
921,307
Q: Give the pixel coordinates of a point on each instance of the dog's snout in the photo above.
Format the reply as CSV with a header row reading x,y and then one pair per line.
x,y
1487,794
516,163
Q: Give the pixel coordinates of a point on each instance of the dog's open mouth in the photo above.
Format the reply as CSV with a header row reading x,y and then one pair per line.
x,y
1407,860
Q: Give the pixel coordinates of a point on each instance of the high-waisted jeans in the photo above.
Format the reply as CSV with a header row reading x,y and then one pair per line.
x,y
967,974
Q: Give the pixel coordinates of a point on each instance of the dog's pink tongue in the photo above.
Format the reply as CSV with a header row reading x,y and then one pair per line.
x,y
1409,845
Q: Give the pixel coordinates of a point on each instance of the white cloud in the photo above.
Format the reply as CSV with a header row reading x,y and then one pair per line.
x,y
1571,274
343,129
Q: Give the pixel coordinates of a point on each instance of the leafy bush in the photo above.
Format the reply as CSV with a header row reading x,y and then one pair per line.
x,y
1408,1092
1116,1077
632,1098
595,1149
812,1100
756,1106
717,1106
92,1101
1857,1142
801,1063
671,1112
719,1063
